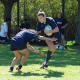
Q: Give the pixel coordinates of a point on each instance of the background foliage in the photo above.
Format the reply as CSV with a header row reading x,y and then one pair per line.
x,y
30,8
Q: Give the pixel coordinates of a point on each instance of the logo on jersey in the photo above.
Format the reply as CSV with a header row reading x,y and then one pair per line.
x,y
59,22
56,42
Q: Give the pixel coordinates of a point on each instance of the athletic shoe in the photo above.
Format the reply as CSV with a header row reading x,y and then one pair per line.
x,y
66,48
44,65
18,69
58,47
9,71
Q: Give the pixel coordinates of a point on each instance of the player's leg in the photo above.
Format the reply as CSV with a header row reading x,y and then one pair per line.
x,y
61,33
58,45
24,58
50,52
64,41
16,58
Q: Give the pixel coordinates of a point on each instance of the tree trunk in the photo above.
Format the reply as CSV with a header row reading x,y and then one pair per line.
x,y
8,5
7,14
63,6
7,11
77,34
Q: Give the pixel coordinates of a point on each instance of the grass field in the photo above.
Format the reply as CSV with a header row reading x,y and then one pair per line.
x,y
64,65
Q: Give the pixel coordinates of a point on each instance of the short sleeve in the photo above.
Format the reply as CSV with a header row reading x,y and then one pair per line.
x,y
38,27
55,19
53,23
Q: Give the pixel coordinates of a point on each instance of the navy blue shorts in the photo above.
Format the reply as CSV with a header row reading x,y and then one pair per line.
x,y
3,38
54,42
17,46
57,41
61,32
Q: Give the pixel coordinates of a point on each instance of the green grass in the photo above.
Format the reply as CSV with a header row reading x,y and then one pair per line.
x,y
64,65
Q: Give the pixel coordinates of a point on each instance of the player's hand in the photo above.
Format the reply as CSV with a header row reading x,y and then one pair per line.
x,y
46,32
54,39
36,50
62,27
7,37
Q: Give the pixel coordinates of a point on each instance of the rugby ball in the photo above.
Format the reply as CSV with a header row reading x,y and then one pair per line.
x,y
48,28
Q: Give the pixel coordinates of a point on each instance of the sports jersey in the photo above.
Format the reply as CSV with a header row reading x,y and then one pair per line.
x,y
4,28
25,26
24,36
49,21
60,22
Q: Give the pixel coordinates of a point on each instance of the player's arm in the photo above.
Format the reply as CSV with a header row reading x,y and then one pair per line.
x,y
37,32
6,31
32,30
66,23
7,35
38,29
30,47
24,29
45,38
64,26
56,29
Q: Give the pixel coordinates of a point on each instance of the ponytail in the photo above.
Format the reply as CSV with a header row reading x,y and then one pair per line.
x,y
41,13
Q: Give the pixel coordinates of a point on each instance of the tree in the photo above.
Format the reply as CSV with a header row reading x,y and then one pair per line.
x,y
63,5
8,5
77,33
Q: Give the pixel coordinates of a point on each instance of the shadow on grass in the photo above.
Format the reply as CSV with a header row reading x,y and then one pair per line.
x,y
61,58
31,73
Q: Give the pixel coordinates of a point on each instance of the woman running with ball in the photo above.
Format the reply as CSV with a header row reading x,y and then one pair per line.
x,y
43,22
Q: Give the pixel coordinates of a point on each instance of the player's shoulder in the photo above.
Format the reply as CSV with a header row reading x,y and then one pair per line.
x,y
56,18
22,24
50,19
62,18
38,23
4,24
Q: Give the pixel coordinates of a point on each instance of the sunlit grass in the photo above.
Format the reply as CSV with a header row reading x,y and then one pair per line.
x,y
64,65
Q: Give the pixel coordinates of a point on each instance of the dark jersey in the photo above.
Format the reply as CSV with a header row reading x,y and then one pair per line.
x,y
25,26
49,21
60,22
24,36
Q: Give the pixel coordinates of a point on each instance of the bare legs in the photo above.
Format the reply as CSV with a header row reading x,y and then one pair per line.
x,y
50,52
63,39
64,42
25,57
17,57
51,46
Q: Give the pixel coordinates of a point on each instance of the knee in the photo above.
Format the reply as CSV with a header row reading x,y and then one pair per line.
x,y
51,49
18,57
26,54
63,39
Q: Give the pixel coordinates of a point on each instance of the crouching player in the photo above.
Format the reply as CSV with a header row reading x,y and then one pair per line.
x,y
20,44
